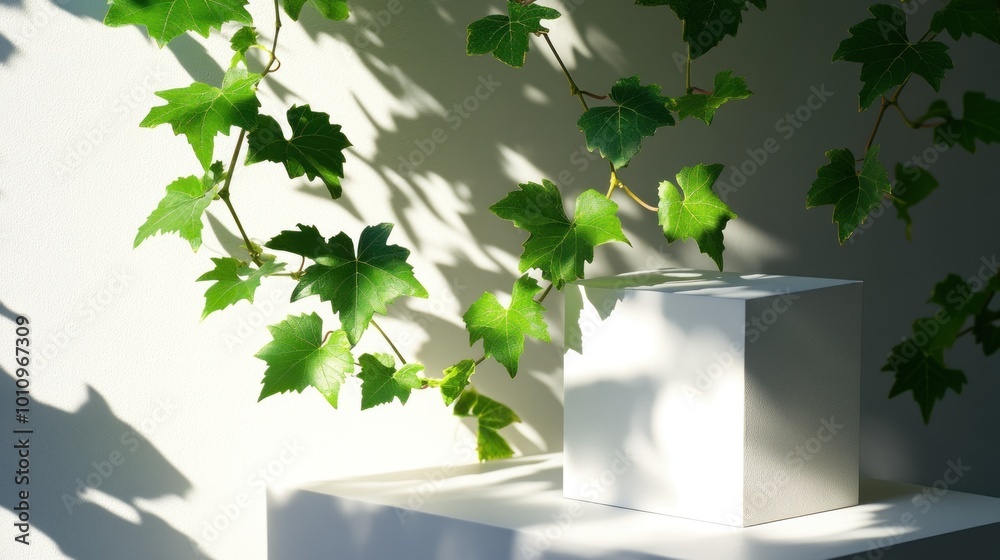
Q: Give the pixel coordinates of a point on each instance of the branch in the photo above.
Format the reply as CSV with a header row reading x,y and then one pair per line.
x,y
387,339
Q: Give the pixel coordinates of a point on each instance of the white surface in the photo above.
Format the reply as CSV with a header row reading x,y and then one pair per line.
x,y
719,397
126,354
515,510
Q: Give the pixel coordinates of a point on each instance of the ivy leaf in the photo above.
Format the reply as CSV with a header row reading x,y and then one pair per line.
x,y
913,184
166,19
557,246
507,36
298,357
456,379
381,381
966,17
359,286
492,417
315,148
959,302
243,40
335,10
986,331
703,106
234,281
181,209
306,242
501,329
201,111
700,214
888,57
924,374
707,22
618,131
980,121
854,195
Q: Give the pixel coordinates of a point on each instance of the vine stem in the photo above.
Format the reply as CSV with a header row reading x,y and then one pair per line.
x,y
687,64
573,89
224,193
389,340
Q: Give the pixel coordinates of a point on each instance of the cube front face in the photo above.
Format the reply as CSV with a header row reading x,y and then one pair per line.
x,y
727,399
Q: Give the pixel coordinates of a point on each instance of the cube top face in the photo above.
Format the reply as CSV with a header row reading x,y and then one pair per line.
x,y
738,406
708,283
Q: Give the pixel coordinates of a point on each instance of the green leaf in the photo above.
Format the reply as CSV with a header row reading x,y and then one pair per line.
x,y
501,329
335,10
381,381
966,17
924,373
315,148
699,214
980,121
234,281
166,19
243,40
492,417
986,331
201,111
707,22
181,209
507,36
306,242
456,379
557,246
703,106
854,195
913,184
618,131
959,302
359,286
888,57
298,357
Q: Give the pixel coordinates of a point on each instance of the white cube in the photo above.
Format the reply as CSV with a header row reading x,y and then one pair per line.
x,y
720,397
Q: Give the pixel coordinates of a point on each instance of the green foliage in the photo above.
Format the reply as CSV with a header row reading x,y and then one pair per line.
x,y
335,10
181,209
913,184
557,246
707,22
703,106
502,329
357,286
298,357
507,36
315,148
381,382
242,41
853,194
968,17
887,55
618,131
166,19
201,112
924,374
234,281
980,121
456,379
692,210
492,416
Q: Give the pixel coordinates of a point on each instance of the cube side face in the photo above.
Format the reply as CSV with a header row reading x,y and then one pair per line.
x,y
803,386
654,402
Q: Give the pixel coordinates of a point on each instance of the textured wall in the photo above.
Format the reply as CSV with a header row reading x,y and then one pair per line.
x,y
128,374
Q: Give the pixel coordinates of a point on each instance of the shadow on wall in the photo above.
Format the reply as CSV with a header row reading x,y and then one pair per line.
x,y
190,54
90,453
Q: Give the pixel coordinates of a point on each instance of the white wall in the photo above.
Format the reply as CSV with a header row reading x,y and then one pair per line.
x,y
122,350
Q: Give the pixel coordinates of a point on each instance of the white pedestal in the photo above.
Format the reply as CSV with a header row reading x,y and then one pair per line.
x,y
514,510
720,397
